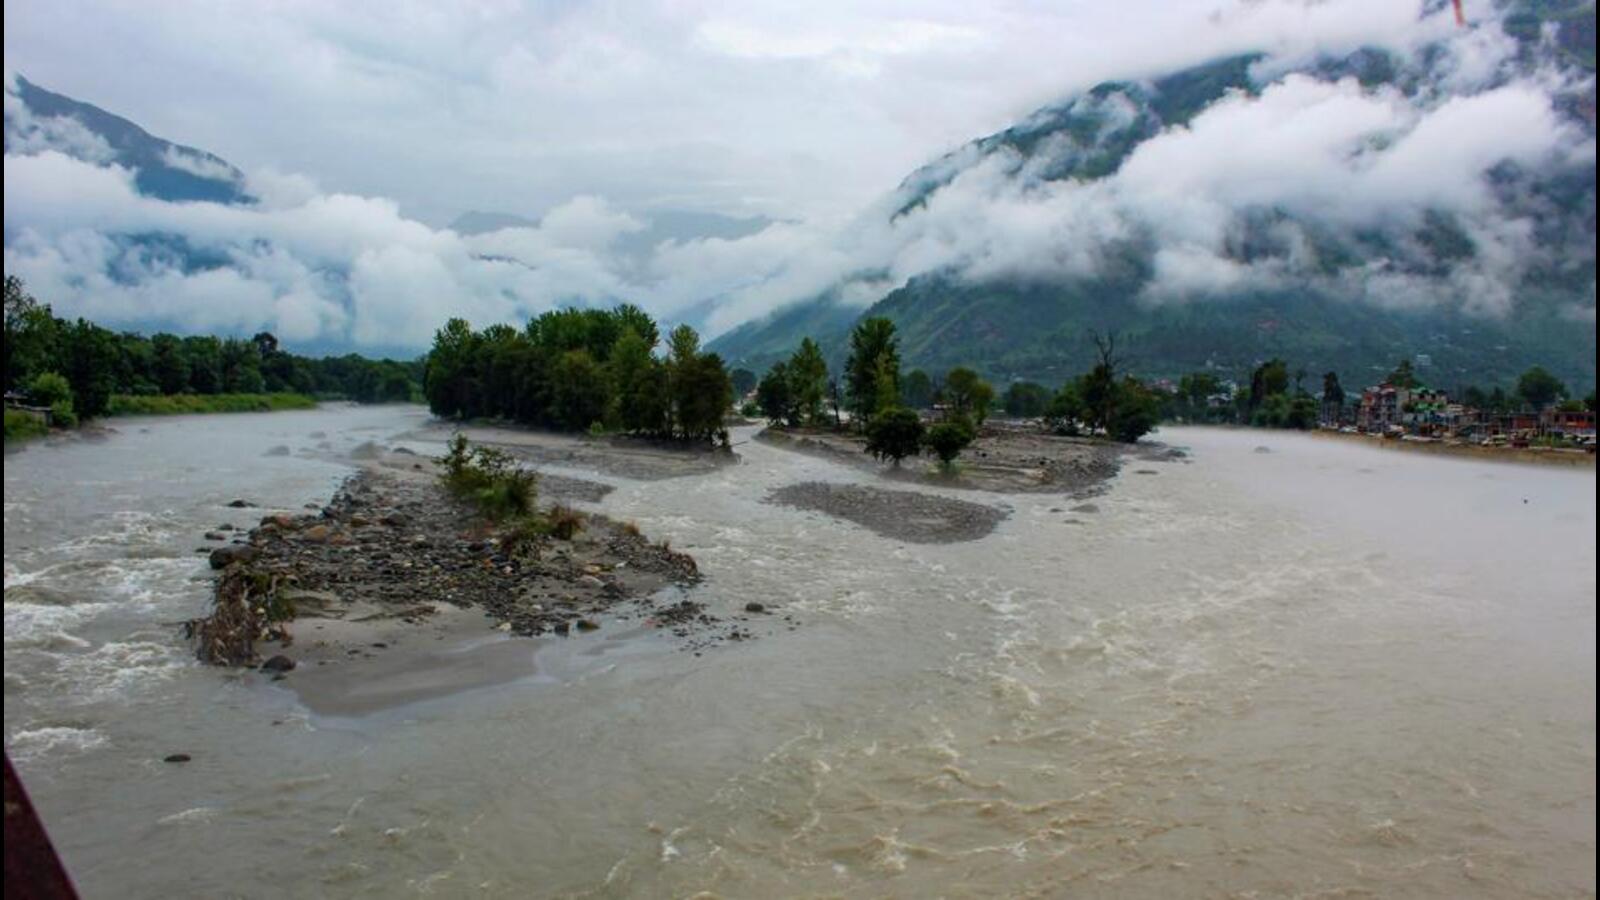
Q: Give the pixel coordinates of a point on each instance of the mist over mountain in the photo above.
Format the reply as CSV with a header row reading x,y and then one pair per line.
x,y
1392,186
1341,210
37,120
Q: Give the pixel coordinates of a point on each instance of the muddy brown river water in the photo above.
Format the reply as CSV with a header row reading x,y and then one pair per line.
x,y
1323,670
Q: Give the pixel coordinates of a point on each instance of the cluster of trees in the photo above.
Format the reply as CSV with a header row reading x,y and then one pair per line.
x,y
1278,398
576,369
97,363
883,404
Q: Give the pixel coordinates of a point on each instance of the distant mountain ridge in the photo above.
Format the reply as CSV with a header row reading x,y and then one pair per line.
x,y
1034,326
39,120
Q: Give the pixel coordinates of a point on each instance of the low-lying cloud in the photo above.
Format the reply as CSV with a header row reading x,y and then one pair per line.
x,y
1280,169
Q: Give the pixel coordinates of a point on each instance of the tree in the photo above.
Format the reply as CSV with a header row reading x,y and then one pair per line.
x,y
168,364
894,434
89,355
1403,375
969,395
1332,396
578,395
916,390
1588,402
874,355
449,382
638,385
1134,413
948,438
1538,388
1026,400
808,372
1067,410
744,381
704,393
48,389
31,333
1270,379
775,396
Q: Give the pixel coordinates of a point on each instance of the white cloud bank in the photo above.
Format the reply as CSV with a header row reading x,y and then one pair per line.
x,y
339,268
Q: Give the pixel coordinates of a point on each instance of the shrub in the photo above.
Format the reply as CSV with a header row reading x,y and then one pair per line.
x,y
894,434
48,389
564,522
62,414
490,478
21,425
948,439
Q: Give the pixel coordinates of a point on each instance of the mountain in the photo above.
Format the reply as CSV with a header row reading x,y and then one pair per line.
x,y
37,120
1350,293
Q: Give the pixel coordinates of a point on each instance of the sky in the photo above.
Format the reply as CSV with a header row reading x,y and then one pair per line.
x,y
367,128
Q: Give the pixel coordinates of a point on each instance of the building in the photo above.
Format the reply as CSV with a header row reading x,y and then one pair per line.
x,y
1574,424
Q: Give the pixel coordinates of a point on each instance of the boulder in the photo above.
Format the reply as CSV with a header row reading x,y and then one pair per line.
x,y
216,536
177,758
222,557
753,607
317,534
280,450
279,663
241,504
280,520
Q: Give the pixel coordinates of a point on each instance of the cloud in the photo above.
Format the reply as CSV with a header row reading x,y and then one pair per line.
x,y
605,123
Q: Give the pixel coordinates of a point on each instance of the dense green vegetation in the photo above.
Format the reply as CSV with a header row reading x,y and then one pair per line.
x,y
581,369
175,404
20,426
81,370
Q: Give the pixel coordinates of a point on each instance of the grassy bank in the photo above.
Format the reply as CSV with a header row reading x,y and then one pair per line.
x,y
180,404
21,426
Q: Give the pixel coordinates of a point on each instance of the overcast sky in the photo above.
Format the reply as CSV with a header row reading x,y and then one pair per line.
x,y
785,109
364,129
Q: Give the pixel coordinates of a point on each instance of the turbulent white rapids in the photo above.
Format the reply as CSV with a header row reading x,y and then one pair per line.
x,y
1325,670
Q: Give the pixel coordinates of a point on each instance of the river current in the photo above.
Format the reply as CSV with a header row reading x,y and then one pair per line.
x,y
1321,670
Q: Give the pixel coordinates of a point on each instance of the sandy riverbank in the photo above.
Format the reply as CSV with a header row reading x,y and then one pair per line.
x,y
1005,458
618,455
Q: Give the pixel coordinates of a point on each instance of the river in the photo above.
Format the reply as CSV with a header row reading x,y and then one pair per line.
x,y
1320,670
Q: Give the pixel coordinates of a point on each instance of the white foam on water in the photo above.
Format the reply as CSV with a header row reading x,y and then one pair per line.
x,y
54,742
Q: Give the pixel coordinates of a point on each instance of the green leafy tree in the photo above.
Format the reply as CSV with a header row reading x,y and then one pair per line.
x,y
1538,388
578,395
916,390
1403,375
894,434
1134,413
808,373
48,389
948,438
205,364
30,334
968,394
874,358
775,396
1026,400
638,385
89,356
1067,411
168,364
705,394
450,381
744,381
